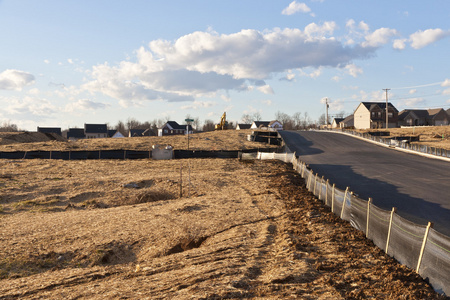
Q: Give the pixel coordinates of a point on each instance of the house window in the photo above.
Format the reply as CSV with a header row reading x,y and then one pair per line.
x,y
373,114
390,115
165,130
379,114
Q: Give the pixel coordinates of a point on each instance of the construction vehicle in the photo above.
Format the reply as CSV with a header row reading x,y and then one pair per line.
x,y
223,123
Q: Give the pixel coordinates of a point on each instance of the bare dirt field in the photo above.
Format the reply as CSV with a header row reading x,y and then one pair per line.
x,y
108,229
103,229
435,136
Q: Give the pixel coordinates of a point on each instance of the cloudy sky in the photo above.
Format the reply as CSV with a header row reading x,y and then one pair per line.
x,y
66,63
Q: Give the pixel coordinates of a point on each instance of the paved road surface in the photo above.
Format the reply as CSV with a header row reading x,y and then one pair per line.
x,y
418,186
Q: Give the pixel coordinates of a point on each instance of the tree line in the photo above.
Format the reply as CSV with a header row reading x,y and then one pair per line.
x,y
296,121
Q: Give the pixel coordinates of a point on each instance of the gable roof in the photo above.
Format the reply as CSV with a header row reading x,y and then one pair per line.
x,y
338,120
420,113
56,130
111,132
95,128
76,133
243,126
175,125
382,105
261,123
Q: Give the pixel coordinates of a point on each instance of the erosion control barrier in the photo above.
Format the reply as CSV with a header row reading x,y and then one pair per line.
x,y
419,247
125,154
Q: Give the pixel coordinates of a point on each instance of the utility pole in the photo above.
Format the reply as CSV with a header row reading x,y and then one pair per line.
x,y
326,103
387,112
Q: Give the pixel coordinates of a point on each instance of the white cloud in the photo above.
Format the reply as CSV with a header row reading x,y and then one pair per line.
x,y
336,78
15,80
70,61
313,30
85,104
225,98
413,102
399,44
203,63
267,102
31,106
446,92
421,38
446,83
46,61
295,7
379,37
412,91
353,70
266,89
199,104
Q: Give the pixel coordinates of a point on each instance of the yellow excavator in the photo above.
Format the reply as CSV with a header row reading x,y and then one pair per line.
x,y
223,123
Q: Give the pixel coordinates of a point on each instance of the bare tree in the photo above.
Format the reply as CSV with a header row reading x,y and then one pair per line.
x,y
257,116
297,119
322,120
246,119
208,125
7,126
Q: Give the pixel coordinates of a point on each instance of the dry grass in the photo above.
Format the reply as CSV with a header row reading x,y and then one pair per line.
x,y
435,136
77,229
215,140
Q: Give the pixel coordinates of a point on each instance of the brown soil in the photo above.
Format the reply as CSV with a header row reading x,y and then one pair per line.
x,y
215,140
108,229
435,136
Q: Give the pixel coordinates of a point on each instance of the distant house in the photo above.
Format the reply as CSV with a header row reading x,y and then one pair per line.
x,y
243,126
372,115
259,124
56,130
348,122
95,131
75,134
173,128
336,122
267,125
115,134
423,117
140,132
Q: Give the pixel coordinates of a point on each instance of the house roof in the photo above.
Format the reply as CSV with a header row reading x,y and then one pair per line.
x,y
261,123
382,105
111,132
75,133
175,125
95,128
244,126
419,113
273,122
56,130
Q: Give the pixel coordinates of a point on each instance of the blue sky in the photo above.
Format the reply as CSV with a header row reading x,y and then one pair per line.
x,y
66,63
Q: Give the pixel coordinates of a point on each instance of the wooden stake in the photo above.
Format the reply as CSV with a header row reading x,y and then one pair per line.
x,y
394,209
332,197
343,203
425,238
326,192
368,217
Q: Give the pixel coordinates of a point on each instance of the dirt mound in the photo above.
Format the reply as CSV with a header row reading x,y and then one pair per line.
x,y
28,137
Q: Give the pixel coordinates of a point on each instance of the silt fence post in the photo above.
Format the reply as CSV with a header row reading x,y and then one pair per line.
x,y
368,217
394,209
343,204
425,237
332,198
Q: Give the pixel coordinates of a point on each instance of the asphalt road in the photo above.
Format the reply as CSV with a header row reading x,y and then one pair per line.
x,y
418,186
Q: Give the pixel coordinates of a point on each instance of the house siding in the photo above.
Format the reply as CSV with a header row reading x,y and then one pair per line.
x,y
361,117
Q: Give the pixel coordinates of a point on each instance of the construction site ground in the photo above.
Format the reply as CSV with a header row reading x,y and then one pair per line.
x,y
108,229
